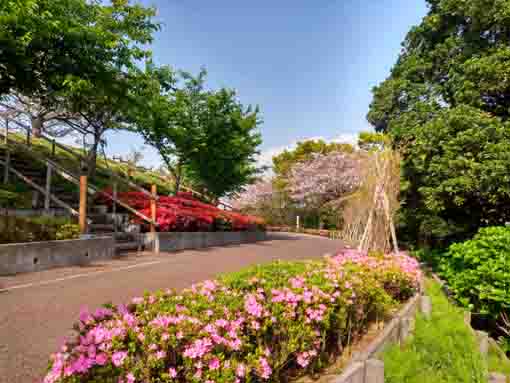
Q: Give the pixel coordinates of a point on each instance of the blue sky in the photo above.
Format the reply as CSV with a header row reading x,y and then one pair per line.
x,y
310,65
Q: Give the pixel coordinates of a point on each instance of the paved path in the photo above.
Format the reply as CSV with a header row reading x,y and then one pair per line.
x,y
38,309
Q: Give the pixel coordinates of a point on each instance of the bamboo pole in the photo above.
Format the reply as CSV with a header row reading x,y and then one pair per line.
x,y
153,207
83,204
390,221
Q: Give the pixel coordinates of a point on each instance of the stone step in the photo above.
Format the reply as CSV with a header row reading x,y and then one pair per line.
x,y
101,227
127,246
121,236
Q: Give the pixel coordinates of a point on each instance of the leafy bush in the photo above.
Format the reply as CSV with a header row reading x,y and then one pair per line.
x,y
478,271
31,229
184,213
269,322
68,231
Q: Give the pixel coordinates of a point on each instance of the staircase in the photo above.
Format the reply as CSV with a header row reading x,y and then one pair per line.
x,y
33,171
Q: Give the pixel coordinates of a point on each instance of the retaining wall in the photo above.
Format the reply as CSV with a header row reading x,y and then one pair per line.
x,y
364,367
174,241
36,256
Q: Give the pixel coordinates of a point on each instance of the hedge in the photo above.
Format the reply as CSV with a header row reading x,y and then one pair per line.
x,y
266,323
185,213
32,229
478,271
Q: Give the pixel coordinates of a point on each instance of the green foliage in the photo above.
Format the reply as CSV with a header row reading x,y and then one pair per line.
x,y
7,198
68,231
446,105
478,271
373,141
442,350
32,229
304,151
52,45
206,135
498,362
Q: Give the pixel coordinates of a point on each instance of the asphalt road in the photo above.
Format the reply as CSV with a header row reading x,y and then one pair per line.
x,y
38,309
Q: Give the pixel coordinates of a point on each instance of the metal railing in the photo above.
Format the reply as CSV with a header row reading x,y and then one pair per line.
x,y
69,176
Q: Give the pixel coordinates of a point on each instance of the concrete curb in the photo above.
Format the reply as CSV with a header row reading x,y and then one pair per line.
x,y
175,241
364,367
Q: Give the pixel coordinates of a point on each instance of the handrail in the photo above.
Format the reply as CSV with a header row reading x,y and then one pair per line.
x,y
68,175
41,189
113,174
81,158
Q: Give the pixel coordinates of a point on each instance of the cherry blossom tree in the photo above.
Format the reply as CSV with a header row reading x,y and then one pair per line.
x,y
254,194
324,178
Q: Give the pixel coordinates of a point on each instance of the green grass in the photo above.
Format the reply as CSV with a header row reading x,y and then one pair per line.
x,y
443,349
498,363
102,180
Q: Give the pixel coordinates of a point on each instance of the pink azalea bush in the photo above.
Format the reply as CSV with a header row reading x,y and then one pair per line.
x,y
262,324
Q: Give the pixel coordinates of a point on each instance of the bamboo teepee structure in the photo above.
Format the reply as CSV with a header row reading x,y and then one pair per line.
x,y
368,214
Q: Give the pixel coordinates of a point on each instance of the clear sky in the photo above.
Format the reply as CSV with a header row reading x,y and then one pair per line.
x,y
310,65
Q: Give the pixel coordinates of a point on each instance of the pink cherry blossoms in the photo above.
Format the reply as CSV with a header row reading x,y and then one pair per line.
x,y
254,194
327,177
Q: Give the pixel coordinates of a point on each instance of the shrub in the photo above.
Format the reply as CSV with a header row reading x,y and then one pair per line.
x,y
184,213
478,271
29,229
68,231
265,323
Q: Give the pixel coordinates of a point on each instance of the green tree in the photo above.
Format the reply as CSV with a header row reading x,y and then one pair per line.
x,y
46,44
446,103
205,135
304,151
227,145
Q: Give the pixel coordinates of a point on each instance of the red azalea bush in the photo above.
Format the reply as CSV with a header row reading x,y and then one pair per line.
x,y
184,213
267,323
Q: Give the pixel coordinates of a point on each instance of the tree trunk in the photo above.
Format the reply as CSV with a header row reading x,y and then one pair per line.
x,y
178,177
92,157
177,184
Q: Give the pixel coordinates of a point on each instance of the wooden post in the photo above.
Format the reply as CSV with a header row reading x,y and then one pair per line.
x,y
28,137
83,204
114,207
53,148
153,207
48,189
6,139
7,164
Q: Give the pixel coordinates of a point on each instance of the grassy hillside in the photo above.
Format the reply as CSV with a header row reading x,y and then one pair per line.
x,y
141,177
18,194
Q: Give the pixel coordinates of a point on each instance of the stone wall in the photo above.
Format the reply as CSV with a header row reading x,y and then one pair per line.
x,y
175,241
36,256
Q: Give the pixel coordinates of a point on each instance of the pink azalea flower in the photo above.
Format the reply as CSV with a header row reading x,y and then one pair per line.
x,y
172,372
119,357
214,364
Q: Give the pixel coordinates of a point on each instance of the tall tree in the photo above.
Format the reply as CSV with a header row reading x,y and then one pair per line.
x,y
47,44
227,145
447,104
206,135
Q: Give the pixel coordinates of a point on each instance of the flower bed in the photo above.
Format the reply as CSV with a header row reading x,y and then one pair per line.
x,y
267,323
184,213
